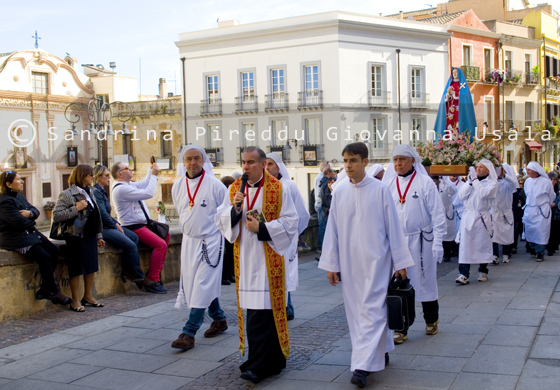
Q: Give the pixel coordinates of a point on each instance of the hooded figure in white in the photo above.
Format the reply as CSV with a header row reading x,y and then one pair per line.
x,y
292,253
475,235
422,218
502,212
196,196
538,213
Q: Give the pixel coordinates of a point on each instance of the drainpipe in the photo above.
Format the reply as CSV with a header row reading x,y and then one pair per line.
x,y
399,84
184,100
543,54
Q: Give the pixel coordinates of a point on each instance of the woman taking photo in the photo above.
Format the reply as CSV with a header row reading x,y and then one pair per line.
x,y
17,232
113,232
78,201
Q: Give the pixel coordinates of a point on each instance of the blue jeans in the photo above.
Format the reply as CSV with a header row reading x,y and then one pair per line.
x,y
196,318
128,242
464,269
290,307
537,247
322,225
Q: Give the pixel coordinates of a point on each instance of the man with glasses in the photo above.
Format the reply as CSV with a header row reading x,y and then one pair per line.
x,y
131,212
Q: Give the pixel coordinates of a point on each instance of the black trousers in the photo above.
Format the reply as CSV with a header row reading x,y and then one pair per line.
x,y
449,248
431,313
506,249
228,272
265,357
46,255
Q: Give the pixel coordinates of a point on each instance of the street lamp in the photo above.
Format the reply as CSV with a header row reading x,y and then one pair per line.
x,y
99,114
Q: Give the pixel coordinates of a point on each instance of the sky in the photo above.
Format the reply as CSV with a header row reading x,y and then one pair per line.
x,y
140,36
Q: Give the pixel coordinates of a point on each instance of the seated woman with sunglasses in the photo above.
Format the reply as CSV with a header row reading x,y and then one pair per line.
x,y
17,232
78,200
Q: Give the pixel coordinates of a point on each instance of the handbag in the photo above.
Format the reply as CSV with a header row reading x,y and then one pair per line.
x,y
160,229
73,227
400,304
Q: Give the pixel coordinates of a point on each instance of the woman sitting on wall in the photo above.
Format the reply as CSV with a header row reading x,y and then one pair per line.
x,y
78,201
17,232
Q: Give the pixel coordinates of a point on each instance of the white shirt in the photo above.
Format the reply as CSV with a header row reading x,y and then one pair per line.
x,y
126,197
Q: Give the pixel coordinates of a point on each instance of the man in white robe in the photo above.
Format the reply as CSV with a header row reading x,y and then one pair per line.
x,y
197,195
259,247
502,215
277,169
475,236
538,212
364,242
447,191
422,219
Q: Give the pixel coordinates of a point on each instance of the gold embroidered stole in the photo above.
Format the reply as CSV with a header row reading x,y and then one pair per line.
x,y
272,203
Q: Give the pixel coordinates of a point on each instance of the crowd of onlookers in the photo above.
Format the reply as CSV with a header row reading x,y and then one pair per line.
x,y
83,214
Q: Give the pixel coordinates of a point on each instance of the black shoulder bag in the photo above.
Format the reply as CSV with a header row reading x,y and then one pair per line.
x,y
160,229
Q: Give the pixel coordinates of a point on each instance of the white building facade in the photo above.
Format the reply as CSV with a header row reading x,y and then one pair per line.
x,y
35,89
315,83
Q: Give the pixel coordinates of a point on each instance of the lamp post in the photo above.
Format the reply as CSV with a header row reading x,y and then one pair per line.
x,y
99,114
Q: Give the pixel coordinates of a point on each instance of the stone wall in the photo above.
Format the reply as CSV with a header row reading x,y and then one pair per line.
x,y
20,278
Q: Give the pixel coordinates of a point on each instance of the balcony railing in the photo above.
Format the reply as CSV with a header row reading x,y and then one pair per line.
x,y
552,84
277,102
379,150
246,104
513,77
310,99
379,99
211,107
472,73
419,100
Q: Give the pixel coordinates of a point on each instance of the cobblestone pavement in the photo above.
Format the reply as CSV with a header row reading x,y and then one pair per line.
x,y
502,334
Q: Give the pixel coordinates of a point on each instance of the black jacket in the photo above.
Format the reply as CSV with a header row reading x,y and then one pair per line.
x,y
16,231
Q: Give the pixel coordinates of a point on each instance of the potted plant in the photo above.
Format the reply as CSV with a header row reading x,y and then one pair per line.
x,y
49,206
536,73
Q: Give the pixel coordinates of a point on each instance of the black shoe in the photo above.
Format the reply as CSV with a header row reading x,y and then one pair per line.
x,y
132,278
251,376
42,294
290,317
446,259
550,253
232,279
317,258
226,282
156,288
386,359
359,378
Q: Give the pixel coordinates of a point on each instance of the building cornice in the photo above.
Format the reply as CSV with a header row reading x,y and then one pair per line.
x,y
308,23
473,31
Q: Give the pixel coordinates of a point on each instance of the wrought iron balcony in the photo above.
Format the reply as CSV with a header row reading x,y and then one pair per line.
x,y
472,73
211,107
246,104
277,102
419,100
310,99
379,99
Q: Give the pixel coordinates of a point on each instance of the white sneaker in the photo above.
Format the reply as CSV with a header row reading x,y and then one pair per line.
x,y
506,259
482,277
495,260
462,279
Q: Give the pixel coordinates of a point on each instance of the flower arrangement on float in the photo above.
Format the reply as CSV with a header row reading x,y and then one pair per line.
x,y
454,153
